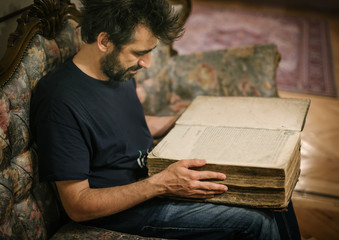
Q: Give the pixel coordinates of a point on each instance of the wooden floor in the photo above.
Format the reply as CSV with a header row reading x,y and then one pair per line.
x,y
316,197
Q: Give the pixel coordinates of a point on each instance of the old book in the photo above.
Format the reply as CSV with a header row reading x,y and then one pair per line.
x,y
255,141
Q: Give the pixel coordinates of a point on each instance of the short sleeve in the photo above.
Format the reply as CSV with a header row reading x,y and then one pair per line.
x,y
63,152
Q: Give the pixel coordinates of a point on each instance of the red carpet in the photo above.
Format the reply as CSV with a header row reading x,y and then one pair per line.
x,y
304,43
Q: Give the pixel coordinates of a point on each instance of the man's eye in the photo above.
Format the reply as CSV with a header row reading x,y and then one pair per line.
x,y
139,54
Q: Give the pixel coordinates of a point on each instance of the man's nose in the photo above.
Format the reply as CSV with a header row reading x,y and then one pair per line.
x,y
145,60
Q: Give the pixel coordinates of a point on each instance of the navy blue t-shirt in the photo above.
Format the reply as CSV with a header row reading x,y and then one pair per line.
x,y
89,129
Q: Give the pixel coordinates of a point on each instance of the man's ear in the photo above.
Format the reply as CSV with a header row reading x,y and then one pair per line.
x,y
103,42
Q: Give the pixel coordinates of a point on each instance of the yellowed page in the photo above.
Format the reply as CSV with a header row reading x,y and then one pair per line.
x,y
229,146
247,112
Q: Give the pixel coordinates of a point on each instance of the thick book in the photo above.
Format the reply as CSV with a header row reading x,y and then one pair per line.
x,y
255,141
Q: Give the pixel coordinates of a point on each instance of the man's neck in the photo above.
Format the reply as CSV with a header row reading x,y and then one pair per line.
x,y
88,61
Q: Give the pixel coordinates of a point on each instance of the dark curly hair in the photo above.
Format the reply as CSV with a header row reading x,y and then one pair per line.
x,y
119,18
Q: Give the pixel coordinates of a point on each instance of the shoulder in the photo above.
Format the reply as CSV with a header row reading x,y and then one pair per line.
x,y
60,75
53,91
58,85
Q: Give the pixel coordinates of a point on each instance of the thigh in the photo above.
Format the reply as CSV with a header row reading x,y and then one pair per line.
x,y
189,220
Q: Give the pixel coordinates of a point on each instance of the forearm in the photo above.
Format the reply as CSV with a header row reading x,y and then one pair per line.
x,y
160,125
83,203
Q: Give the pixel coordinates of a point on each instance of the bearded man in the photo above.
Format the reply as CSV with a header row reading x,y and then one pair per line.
x,y
90,130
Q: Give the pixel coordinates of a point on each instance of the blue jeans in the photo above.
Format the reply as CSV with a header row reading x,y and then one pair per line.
x,y
187,220
287,223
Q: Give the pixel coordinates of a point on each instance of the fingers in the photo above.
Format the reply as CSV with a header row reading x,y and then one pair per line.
x,y
192,163
204,194
201,175
201,191
209,186
180,180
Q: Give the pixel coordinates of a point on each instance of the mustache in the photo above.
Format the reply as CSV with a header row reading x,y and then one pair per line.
x,y
134,68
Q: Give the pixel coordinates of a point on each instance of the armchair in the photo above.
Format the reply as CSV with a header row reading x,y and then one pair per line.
x,y
47,34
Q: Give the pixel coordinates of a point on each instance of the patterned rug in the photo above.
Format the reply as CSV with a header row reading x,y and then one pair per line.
x,y
303,42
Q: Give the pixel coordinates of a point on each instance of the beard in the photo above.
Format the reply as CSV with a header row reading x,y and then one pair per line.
x,y
112,68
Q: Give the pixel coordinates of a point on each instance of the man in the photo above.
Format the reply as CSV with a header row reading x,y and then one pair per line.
x,y
90,130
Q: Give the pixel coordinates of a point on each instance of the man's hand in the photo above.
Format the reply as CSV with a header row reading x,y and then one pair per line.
x,y
84,203
180,180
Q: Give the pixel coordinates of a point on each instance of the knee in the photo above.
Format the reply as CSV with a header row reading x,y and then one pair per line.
x,y
263,226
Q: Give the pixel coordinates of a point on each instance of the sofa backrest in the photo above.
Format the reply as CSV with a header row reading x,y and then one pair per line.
x,y
239,71
47,34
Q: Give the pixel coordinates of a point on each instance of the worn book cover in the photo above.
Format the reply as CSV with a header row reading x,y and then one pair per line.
x,y
255,141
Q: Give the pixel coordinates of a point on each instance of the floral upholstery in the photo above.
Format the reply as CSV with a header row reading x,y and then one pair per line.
x,y
32,210
28,209
74,231
242,71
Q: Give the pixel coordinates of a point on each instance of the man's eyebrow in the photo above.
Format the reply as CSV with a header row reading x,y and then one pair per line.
x,y
143,52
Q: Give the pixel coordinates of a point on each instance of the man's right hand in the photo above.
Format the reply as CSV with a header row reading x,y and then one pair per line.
x,y
83,203
180,180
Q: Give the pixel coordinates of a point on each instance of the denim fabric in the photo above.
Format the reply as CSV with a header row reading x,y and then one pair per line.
x,y
288,224
187,220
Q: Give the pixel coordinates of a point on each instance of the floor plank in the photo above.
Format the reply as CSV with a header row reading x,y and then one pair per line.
x,y
316,196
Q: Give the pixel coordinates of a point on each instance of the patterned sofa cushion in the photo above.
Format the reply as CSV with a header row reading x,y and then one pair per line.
x,y
242,71
152,91
28,209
